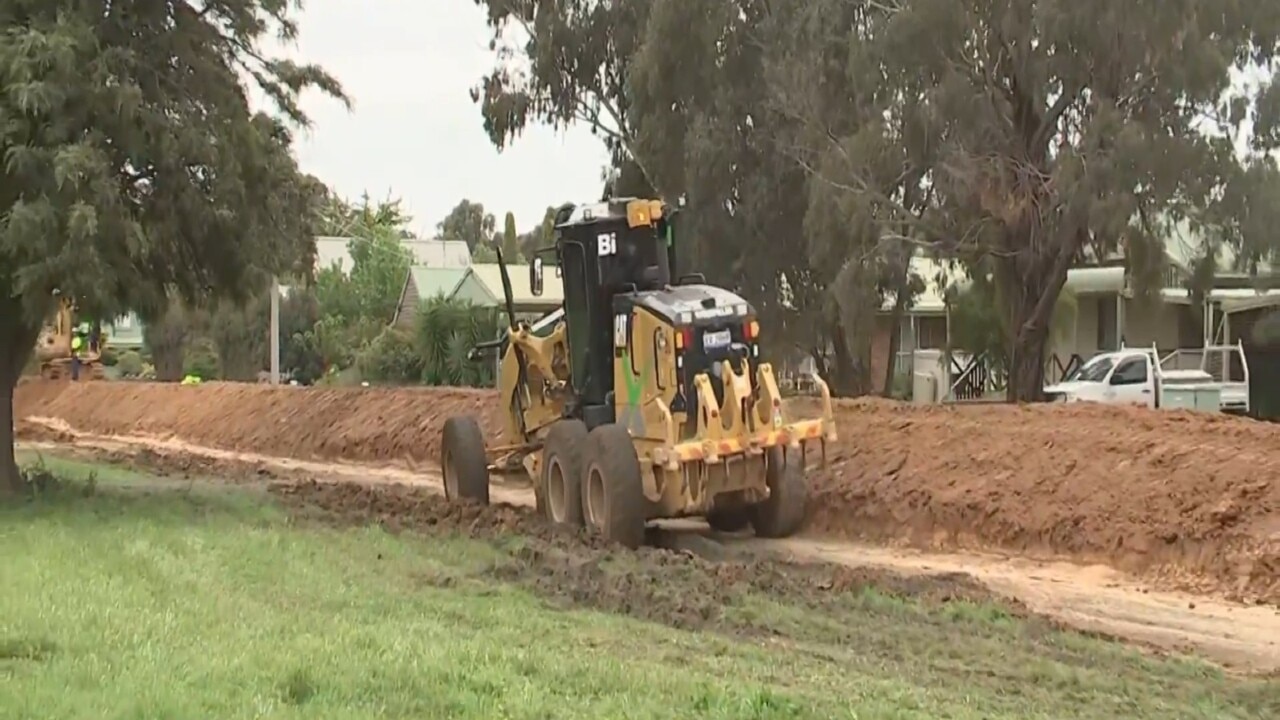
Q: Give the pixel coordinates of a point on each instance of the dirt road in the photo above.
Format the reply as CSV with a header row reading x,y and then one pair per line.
x,y
1187,501
1091,598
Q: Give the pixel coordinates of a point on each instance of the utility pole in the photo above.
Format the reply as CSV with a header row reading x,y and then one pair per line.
x,y
275,331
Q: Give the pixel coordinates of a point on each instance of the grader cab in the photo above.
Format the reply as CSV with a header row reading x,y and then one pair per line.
x,y
644,397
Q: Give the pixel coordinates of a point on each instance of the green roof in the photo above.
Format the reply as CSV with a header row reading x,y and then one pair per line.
x,y
432,281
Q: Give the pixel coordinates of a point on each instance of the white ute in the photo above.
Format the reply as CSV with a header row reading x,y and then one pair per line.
x,y
1139,377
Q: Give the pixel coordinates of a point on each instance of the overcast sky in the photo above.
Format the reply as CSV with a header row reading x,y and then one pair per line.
x,y
413,130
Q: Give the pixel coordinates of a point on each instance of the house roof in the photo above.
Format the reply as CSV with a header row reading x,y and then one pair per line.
x,y
938,276
432,281
428,253
490,277
429,281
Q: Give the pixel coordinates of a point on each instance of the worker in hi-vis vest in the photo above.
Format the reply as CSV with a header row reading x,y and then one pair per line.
x,y
77,344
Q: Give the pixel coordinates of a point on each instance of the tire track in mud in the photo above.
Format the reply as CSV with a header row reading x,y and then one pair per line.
x,y
1089,598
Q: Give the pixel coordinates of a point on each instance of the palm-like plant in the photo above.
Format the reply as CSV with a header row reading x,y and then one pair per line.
x,y
447,330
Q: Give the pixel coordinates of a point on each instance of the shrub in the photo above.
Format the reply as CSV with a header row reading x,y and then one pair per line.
x,y
130,363
391,358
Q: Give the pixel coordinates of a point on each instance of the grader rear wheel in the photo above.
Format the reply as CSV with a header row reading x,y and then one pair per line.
x,y
462,461
613,502
562,469
782,514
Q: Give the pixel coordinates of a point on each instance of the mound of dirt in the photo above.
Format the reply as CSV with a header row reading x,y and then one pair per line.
x,y
1192,500
1189,498
371,425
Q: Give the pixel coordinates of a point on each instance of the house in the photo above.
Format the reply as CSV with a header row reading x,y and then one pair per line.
x,y
487,289
924,324
332,251
421,284
125,333
1102,310
1111,313
480,284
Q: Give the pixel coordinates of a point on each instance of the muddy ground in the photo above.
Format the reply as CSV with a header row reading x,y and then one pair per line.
x,y
1191,501
1093,598
679,589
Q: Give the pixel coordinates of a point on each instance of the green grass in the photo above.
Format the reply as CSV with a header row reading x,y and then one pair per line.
x,y
153,599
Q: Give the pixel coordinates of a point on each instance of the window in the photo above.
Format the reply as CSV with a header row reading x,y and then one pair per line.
x,y
1131,372
932,332
1093,371
1107,339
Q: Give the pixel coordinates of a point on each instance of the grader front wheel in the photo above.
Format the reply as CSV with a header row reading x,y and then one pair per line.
x,y
462,461
782,514
613,502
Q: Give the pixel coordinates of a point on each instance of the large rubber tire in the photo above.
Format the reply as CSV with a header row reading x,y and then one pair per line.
x,y
613,502
462,461
562,471
782,514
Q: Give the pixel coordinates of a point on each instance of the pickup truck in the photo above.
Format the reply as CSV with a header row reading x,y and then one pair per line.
x,y
1137,376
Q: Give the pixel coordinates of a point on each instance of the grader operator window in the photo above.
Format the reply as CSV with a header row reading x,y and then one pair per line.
x,y
633,259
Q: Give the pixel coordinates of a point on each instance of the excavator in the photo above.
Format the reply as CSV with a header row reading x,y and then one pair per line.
x,y
58,347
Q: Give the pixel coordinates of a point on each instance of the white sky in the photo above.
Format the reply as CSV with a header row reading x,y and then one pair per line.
x,y
413,131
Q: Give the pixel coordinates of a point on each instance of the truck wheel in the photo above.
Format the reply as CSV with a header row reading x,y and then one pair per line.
x,y
561,483
462,461
783,513
613,502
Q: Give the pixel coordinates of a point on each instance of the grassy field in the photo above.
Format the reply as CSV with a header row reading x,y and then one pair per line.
x,y
151,598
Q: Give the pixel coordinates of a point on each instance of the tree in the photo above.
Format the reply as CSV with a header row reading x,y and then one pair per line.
x,y
240,333
355,308
469,222
134,169
540,238
167,334
446,332
300,356
571,66
704,126
336,217
1061,130
510,239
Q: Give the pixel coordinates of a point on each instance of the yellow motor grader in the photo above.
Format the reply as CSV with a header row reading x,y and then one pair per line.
x,y
643,397
56,348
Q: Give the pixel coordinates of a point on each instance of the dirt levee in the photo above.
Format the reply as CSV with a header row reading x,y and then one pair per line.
x,y
356,424
1191,498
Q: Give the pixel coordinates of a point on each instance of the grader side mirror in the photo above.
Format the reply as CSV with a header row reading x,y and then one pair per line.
x,y
535,277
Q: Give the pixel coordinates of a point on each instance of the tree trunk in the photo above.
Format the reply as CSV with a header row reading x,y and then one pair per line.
x,y
901,289
10,480
1034,284
17,342
168,360
166,336
848,373
1026,364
